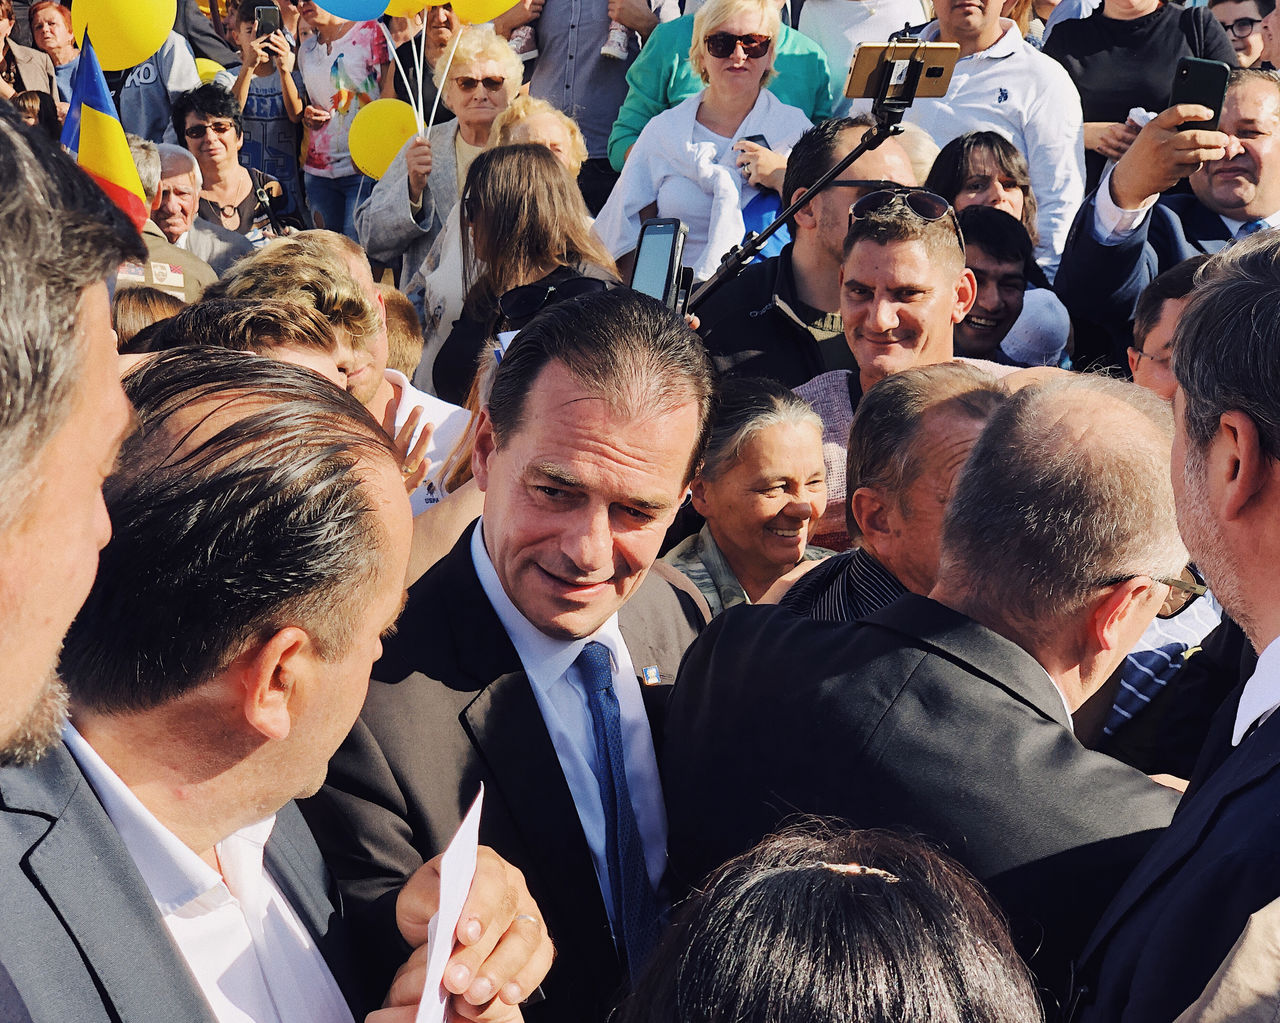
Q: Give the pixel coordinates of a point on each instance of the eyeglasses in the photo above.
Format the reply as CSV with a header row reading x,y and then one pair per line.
x,y
722,44
927,206
492,83
1159,360
197,131
1183,592
1241,28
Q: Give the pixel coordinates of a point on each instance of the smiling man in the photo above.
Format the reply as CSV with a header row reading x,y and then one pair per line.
x,y
1127,233
537,656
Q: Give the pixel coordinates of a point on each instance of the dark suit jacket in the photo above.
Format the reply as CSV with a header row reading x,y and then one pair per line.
x,y
80,935
917,719
1100,284
1182,909
451,707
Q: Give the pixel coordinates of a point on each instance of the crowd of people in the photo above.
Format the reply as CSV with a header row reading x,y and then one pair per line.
x,y
894,638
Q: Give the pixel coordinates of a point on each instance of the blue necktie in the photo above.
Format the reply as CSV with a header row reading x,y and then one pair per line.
x,y
1249,227
635,907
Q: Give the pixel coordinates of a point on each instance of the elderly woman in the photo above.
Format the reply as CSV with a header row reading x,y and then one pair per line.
x,y
702,160
761,488
51,32
408,206
241,199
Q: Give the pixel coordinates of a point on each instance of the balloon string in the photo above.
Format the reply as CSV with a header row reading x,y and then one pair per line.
x,y
417,108
457,38
420,53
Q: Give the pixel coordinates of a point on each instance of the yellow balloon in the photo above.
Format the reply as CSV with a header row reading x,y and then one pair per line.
x,y
123,32
379,131
406,8
209,69
477,12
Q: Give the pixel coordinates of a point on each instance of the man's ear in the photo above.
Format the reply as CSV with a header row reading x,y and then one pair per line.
x,y
870,512
1113,611
966,295
483,449
804,216
268,674
1245,469
1134,358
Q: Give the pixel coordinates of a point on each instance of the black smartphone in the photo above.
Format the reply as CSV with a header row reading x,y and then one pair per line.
x,y
759,140
1203,82
658,259
266,20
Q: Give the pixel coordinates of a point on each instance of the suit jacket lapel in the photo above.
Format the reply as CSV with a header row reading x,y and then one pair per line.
x,y
1205,229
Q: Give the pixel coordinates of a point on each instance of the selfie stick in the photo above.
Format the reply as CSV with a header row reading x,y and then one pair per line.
x,y
900,75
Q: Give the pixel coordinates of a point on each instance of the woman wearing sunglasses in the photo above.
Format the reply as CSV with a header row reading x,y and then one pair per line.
x,y
412,201
701,160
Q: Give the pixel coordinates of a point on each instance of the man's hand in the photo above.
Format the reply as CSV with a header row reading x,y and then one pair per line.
x,y
1110,138
417,159
1161,156
521,14
501,952
635,14
760,166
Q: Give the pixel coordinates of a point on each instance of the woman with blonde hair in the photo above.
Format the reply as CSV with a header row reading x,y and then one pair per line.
x,y
710,160
527,119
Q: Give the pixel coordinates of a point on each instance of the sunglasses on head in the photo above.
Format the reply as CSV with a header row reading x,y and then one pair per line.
x,y
722,44
491,82
197,131
917,202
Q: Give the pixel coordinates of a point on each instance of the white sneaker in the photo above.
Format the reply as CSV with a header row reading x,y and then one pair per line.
x,y
523,42
616,45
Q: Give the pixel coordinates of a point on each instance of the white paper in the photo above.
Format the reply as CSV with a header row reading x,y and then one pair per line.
x,y
457,868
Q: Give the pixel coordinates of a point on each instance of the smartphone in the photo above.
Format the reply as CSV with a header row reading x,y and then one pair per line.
x,y
872,61
1200,81
266,20
658,259
759,140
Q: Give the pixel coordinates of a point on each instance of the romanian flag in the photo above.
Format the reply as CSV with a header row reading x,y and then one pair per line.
x,y
94,136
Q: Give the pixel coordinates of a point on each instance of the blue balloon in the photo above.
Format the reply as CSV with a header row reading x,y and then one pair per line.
x,y
355,10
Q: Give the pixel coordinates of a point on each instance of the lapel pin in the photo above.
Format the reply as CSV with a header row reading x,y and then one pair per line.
x,y
651,675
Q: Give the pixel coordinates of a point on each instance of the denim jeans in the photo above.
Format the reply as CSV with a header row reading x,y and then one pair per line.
x,y
333,201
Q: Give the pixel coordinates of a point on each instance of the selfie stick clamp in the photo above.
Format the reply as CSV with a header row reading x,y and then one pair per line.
x,y
895,94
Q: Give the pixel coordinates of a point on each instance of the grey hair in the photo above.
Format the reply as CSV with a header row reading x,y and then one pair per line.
x,y
175,160
742,408
59,236
1227,343
1066,491
146,157
883,453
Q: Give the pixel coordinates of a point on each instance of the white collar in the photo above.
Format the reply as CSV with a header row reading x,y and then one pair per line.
x,y
1261,693
1010,40
1234,225
545,658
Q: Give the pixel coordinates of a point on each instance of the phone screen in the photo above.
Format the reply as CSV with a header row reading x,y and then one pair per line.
x,y
653,261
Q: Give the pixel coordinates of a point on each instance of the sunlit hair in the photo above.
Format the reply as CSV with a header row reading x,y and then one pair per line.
x,y
715,13
521,109
136,306
954,165
477,43
63,11
742,408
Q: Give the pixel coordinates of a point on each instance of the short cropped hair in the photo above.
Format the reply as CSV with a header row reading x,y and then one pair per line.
x,y
59,236
894,224
222,541
864,926
40,5
404,331
137,306
208,100
1002,237
146,157
1175,283
1226,348
619,345
1041,519
243,325
304,271
1265,7
714,13
815,153
744,406
476,43
883,453
175,161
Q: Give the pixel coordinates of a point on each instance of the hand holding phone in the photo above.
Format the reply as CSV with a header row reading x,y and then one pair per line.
x,y
1203,82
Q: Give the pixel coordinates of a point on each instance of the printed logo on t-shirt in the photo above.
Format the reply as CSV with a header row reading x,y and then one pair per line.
x,y
1002,95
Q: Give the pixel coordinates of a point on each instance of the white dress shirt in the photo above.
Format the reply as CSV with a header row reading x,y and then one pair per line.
x,y
1261,695
562,698
1112,224
253,959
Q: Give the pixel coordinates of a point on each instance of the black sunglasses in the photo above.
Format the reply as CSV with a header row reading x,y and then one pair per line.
x,y
927,206
722,44
198,131
491,82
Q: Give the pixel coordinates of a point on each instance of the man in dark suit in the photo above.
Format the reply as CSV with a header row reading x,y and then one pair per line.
x,y
1181,910
262,533
950,715
1123,237
584,451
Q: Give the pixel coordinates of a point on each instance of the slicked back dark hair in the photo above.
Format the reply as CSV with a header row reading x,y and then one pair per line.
x,y
209,100
621,346
263,522
1173,284
815,153
862,926
59,235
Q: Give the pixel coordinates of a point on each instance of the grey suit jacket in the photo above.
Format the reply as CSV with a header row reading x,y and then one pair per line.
x,y
216,245
35,69
80,935
384,223
451,707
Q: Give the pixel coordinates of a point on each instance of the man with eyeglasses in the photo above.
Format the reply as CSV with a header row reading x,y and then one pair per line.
x,y
780,317
950,715
1215,868
1242,20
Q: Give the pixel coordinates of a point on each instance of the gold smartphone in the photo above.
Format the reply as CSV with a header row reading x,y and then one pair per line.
x,y
873,61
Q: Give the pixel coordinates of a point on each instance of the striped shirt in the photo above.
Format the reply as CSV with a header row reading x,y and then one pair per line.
x,y
844,588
